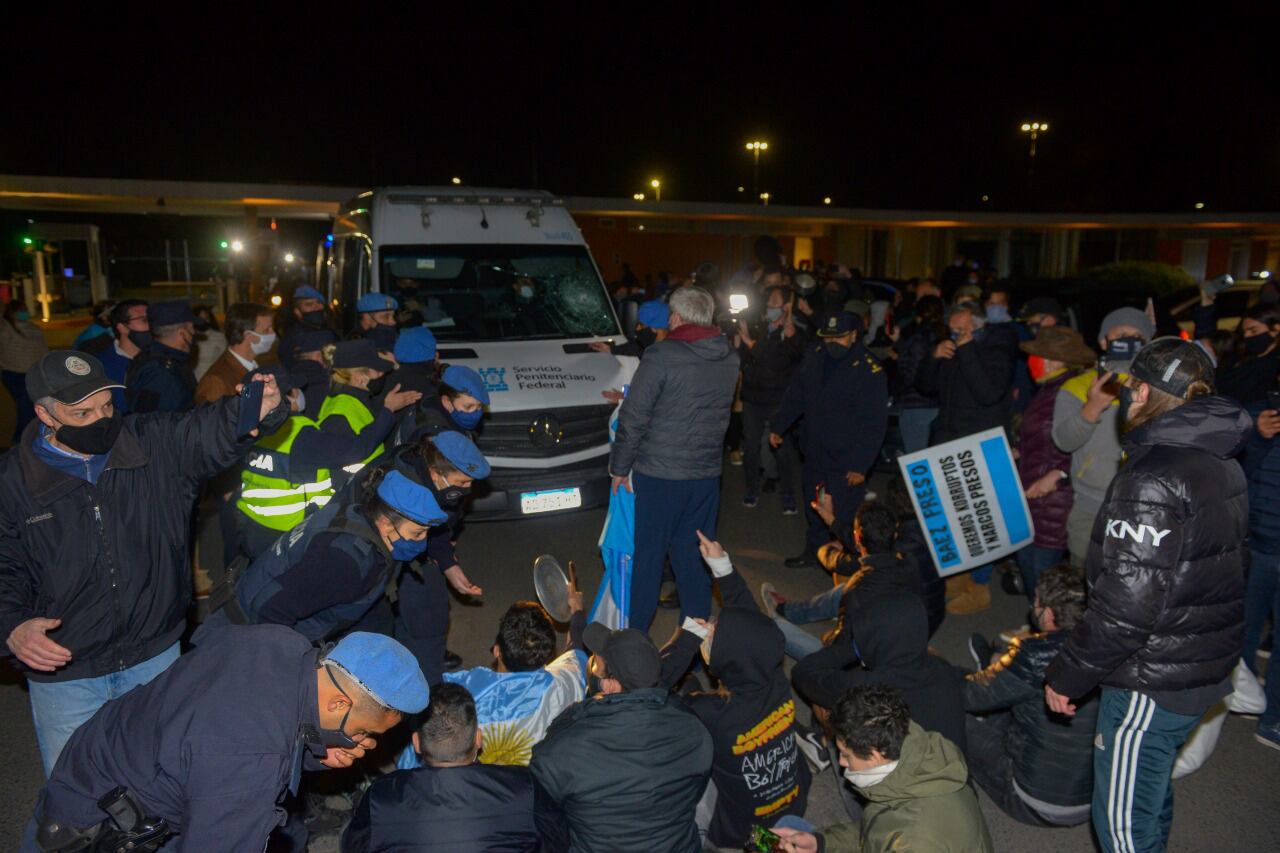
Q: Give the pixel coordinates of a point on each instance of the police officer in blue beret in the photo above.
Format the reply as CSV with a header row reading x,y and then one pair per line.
x,y
330,571
205,752
841,395
458,404
309,316
377,319
448,463
161,377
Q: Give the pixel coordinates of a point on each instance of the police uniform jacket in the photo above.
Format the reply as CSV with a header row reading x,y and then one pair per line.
x,y
160,380
211,745
110,558
844,405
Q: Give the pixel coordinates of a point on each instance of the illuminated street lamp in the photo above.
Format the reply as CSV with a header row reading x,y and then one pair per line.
x,y
638,196
657,189
288,257
1199,205
764,199
237,246
457,181
826,200
1034,129
755,147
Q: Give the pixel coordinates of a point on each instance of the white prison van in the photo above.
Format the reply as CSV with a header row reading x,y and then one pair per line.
x,y
504,280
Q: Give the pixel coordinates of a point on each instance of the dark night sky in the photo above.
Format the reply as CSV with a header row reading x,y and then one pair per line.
x,y
915,111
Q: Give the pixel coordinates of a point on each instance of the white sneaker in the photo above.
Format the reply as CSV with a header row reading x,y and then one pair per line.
x,y
767,593
810,743
1007,636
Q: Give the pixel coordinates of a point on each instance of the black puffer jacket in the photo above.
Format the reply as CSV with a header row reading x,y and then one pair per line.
x,y
1166,565
627,770
1052,754
767,367
974,387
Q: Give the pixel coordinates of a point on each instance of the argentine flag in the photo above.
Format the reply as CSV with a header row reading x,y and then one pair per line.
x,y
612,606
514,709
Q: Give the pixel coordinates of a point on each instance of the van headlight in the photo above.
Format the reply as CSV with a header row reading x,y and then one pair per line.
x,y
738,303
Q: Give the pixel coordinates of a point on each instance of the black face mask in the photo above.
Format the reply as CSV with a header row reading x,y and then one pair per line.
x,y
93,439
646,338
836,351
383,337
1258,344
375,386
1123,349
338,737
314,319
141,340
453,495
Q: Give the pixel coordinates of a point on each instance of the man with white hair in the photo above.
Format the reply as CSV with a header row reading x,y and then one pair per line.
x,y
669,450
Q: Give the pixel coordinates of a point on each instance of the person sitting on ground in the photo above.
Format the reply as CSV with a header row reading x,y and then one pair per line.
x,y
1036,765
889,636
453,801
757,774
627,766
878,568
914,779
527,688
914,548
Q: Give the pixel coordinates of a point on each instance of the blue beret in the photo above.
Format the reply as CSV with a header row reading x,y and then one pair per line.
x,y
463,453
376,302
384,668
415,345
305,292
412,500
653,314
467,381
171,313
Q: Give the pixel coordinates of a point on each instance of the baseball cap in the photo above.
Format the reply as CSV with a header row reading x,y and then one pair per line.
x,y
415,345
376,302
630,655
837,323
412,500
467,381
654,314
1172,365
462,453
171,312
67,376
305,292
385,669
360,353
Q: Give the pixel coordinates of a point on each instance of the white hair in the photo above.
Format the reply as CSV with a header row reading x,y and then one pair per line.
x,y
45,403
694,305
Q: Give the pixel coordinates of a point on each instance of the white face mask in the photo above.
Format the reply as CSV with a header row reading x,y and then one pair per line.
x,y
863,779
264,342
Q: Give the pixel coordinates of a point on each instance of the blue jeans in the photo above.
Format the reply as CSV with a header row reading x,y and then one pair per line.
x,y
1261,602
1032,562
799,642
668,514
61,707
914,424
1137,745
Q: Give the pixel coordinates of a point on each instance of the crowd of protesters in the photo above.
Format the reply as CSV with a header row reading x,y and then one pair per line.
x,y
340,476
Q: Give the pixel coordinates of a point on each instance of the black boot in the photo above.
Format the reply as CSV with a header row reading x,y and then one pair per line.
x,y
452,660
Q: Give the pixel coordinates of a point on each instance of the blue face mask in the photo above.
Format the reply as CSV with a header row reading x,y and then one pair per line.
x,y
998,314
467,420
407,549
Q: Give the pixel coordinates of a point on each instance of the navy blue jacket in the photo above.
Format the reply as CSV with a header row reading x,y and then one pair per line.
x,y
160,380
480,807
1261,463
845,407
210,745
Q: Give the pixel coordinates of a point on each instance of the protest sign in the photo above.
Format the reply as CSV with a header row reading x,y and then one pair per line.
x,y
969,501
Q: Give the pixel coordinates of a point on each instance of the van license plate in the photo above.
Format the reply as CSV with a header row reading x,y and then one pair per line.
x,y
550,500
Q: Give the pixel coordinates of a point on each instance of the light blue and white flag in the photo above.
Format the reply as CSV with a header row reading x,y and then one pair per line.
x,y
612,606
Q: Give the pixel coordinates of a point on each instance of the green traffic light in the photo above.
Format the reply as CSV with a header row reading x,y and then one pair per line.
x,y
223,244
27,241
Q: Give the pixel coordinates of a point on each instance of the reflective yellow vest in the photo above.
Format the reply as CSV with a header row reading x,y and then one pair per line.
x,y
358,417
271,494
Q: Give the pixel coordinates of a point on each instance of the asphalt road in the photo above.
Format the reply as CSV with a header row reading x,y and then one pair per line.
x,y
1230,804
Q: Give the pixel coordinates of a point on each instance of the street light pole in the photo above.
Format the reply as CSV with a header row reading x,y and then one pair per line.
x,y
1033,129
657,189
755,147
